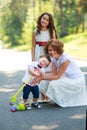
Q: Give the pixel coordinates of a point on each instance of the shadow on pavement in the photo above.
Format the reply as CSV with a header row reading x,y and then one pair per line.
x,y
49,117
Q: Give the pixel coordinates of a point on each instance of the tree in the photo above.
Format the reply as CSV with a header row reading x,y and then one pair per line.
x,y
82,5
13,15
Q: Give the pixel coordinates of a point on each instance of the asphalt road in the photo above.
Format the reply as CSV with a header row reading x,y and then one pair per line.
x,y
50,116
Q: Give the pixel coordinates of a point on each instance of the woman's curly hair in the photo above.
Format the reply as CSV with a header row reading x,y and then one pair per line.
x,y
51,26
56,44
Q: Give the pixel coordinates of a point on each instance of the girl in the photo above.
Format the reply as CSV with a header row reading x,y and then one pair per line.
x,y
44,31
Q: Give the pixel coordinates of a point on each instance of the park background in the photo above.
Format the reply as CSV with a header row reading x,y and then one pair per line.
x,y
18,20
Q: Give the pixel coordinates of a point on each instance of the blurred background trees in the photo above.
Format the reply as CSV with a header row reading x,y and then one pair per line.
x,y
18,18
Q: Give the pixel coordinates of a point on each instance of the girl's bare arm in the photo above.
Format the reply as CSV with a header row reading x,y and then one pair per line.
x,y
54,35
33,46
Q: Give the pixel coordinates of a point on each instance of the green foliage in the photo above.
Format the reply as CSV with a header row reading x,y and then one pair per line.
x,y
11,26
12,17
31,19
18,18
76,44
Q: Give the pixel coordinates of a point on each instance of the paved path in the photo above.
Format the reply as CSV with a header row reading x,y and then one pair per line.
x,y
49,117
13,60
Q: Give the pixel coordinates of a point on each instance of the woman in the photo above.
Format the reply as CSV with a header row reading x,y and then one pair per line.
x,y
67,86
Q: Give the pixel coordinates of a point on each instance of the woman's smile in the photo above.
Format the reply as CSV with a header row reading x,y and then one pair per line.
x,y
52,52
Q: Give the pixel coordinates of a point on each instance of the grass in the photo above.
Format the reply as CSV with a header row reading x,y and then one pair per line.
x,y
76,44
22,48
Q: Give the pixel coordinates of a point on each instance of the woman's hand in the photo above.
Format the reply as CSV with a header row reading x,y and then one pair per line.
x,y
36,80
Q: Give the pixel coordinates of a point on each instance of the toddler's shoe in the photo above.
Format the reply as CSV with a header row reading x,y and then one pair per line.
x,y
35,105
27,106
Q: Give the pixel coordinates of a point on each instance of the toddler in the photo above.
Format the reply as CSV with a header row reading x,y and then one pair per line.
x,y
35,69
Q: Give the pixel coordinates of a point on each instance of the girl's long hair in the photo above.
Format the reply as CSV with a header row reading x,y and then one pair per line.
x,y
51,26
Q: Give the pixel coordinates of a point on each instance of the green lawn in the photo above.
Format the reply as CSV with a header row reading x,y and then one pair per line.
x,y
76,44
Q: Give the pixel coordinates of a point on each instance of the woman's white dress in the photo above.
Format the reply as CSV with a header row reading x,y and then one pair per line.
x,y
70,89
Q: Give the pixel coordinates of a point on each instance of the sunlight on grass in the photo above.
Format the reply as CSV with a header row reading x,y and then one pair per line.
x,y
22,47
76,44
76,50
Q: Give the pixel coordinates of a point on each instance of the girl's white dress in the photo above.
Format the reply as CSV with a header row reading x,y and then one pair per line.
x,y
44,36
70,89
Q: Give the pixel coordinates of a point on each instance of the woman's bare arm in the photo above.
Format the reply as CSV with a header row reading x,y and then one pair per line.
x,y
59,72
53,76
53,70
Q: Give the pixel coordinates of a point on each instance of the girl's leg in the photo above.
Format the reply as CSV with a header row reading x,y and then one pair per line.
x,y
43,89
43,97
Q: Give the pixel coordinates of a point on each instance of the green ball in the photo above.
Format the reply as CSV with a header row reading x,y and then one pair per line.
x,y
13,99
21,107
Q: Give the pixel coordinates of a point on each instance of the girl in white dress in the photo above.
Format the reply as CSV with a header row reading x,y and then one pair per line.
x,y
67,86
44,31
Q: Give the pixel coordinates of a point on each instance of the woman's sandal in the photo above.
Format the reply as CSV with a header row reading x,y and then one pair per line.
x,y
44,101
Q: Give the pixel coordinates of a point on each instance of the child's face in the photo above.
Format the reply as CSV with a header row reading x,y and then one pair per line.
x,y
45,20
43,62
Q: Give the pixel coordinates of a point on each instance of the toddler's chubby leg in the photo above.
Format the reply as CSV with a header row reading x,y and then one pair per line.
x,y
26,92
35,92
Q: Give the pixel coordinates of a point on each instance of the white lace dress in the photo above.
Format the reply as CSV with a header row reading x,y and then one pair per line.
x,y
44,36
